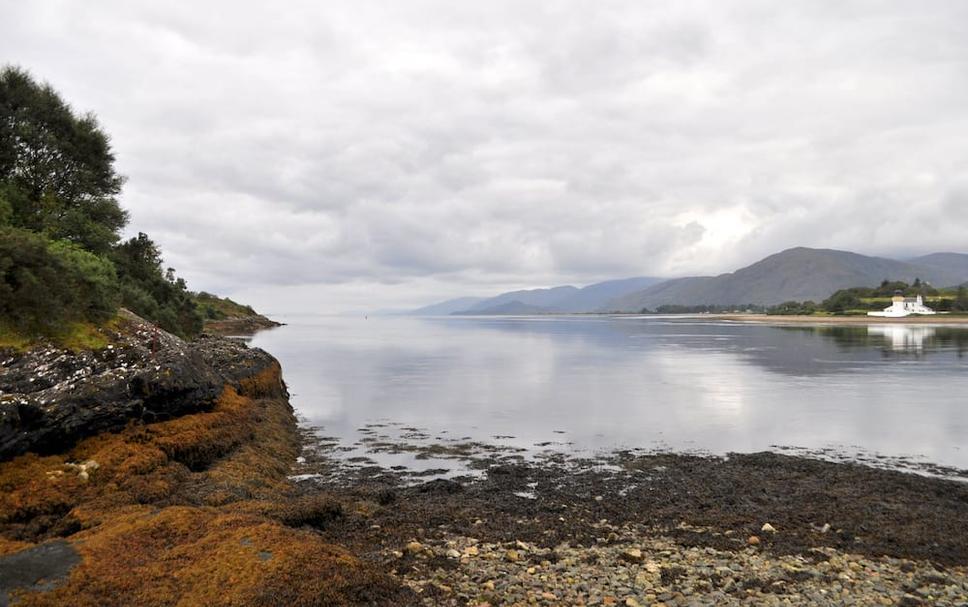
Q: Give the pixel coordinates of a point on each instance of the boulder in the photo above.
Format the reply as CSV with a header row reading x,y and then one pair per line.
x,y
52,397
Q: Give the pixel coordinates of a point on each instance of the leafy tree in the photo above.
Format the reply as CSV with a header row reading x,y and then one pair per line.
x,y
60,223
56,169
841,301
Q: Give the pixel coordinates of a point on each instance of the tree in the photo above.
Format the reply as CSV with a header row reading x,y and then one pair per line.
x,y
155,294
841,301
56,169
961,300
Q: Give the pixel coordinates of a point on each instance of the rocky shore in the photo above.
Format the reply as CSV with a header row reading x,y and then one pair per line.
x,y
657,529
154,472
52,397
241,325
160,472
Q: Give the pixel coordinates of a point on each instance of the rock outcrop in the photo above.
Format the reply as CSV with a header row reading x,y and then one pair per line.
x,y
240,325
51,397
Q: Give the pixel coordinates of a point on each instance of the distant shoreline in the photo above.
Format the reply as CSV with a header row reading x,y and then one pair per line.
x,y
939,319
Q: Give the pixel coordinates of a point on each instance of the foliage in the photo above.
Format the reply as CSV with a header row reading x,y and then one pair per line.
x,y
961,300
152,293
842,301
56,169
58,195
794,308
865,299
91,280
212,307
46,285
702,309
6,209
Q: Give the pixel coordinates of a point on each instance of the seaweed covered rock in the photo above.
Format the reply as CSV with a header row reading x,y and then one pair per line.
x,y
51,397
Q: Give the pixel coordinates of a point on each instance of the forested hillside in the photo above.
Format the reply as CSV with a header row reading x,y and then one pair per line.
x,y
63,263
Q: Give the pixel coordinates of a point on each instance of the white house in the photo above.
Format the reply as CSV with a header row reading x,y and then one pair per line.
x,y
904,306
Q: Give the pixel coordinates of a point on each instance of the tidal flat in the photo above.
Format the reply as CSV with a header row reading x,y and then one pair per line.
x,y
631,528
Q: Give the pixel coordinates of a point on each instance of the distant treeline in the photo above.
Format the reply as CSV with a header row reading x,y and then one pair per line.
x,y
845,301
62,260
870,299
704,309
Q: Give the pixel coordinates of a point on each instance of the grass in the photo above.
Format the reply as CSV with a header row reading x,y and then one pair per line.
x,y
213,307
75,337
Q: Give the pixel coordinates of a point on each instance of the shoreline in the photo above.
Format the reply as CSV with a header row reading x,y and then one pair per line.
x,y
233,489
631,529
837,320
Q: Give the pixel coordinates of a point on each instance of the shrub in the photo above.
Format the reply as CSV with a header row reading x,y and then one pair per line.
x,y
91,281
44,285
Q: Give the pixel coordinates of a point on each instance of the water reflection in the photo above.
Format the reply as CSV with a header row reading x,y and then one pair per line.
x,y
633,382
901,338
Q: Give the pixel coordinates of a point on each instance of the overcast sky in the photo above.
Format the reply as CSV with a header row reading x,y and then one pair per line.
x,y
322,156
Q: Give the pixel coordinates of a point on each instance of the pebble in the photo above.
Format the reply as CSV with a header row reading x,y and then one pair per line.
x,y
619,574
414,547
632,555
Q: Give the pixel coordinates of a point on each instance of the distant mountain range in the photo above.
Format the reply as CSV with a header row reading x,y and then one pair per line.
x,y
798,274
542,301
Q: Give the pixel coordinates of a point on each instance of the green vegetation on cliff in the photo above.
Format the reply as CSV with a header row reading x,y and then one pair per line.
x,y
213,307
62,260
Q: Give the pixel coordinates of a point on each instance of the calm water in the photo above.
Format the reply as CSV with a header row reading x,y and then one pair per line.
x,y
601,383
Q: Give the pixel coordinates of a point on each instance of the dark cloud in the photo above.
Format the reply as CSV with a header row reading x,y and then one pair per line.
x,y
327,155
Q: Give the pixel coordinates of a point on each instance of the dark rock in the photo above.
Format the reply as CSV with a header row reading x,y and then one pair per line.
x,y
51,397
440,486
39,568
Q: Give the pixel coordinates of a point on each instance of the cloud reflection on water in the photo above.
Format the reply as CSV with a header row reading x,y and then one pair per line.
x,y
624,382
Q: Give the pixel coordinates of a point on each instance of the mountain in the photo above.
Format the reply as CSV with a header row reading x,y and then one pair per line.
x,y
447,307
952,262
795,274
508,307
541,298
555,299
593,297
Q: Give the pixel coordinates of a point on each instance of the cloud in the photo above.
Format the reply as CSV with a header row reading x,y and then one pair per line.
x,y
329,155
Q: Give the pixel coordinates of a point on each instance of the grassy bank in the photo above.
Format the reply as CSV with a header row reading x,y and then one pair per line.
x,y
74,336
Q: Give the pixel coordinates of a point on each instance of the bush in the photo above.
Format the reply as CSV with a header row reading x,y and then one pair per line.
x,y
44,285
90,279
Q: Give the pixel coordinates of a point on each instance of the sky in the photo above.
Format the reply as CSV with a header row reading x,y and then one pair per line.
x,y
345,156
